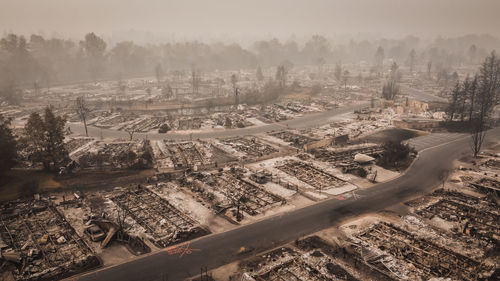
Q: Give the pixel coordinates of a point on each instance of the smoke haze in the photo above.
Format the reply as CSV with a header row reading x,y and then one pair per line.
x,y
246,21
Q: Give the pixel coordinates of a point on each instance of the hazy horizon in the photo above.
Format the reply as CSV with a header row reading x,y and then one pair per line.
x,y
245,21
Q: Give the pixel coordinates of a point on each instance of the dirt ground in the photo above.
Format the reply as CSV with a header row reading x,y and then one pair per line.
x,y
22,183
95,179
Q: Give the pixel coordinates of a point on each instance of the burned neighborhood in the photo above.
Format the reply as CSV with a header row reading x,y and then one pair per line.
x,y
249,140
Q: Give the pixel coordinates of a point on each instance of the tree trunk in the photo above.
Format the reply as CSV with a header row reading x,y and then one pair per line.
x,y
85,125
478,135
471,107
462,111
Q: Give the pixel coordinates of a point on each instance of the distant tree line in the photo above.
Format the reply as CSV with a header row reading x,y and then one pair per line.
x,y
38,62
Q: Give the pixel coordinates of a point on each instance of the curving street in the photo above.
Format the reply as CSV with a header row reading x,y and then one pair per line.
x,y
218,249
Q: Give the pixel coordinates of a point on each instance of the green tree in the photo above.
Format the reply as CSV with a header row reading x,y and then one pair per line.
x,y
8,146
395,73
464,98
95,49
16,66
315,48
390,90
454,102
44,139
18,59
395,154
128,58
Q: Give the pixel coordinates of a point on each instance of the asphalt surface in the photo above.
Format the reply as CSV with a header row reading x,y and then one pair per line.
x,y
218,249
306,121
423,142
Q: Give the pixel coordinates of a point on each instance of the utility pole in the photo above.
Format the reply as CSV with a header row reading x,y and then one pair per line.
x,y
236,96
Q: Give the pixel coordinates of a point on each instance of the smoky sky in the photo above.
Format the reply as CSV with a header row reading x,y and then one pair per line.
x,y
237,19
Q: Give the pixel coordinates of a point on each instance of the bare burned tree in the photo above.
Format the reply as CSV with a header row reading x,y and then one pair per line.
x,y
195,79
131,132
159,74
82,110
121,216
478,135
443,177
345,79
429,69
472,92
234,80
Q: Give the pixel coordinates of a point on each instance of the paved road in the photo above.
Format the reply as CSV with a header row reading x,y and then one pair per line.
x,y
423,142
215,250
307,121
